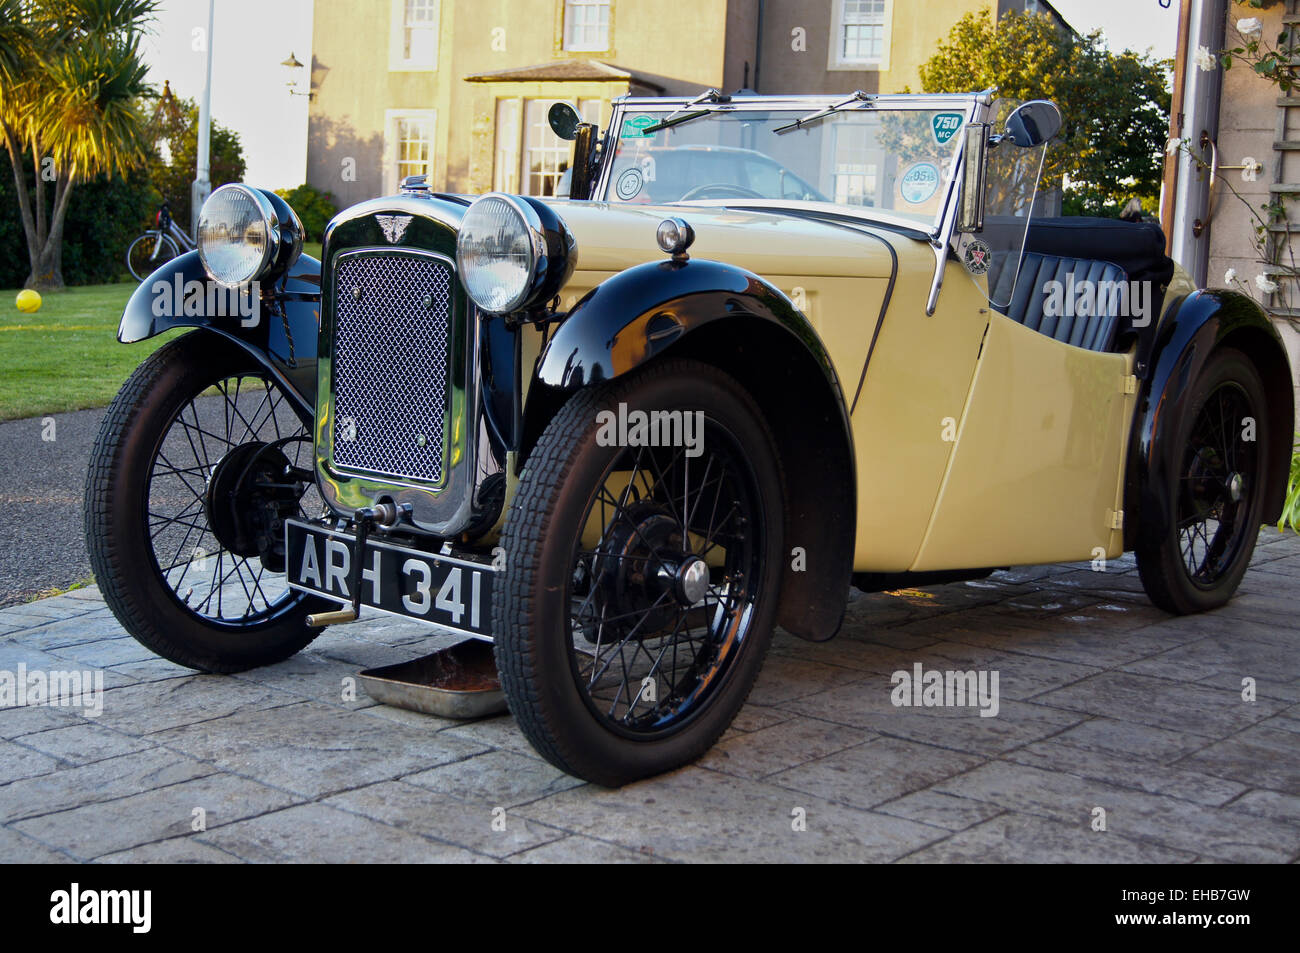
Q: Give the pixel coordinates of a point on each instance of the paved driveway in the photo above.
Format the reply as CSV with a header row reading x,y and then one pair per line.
x,y
1110,712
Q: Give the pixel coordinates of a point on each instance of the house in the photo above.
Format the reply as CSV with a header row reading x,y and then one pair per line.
x,y
459,89
1244,126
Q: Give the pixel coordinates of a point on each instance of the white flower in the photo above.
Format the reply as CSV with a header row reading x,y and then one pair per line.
x,y
1230,276
1252,27
1172,146
1250,167
1205,60
1264,284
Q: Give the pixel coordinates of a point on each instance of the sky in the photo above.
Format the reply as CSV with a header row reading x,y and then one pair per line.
x,y
1139,25
251,38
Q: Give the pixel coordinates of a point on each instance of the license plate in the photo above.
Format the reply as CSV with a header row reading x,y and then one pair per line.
x,y
445,590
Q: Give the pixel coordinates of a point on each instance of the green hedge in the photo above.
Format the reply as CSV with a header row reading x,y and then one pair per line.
x,y
103,218
313,206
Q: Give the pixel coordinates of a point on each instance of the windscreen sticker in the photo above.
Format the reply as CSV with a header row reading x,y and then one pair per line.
x,y
634,127
919,183
945,126
628,185
648,168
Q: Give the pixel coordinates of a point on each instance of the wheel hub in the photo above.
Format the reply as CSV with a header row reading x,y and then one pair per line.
x,y
687,578
1236,487
246,500
642,560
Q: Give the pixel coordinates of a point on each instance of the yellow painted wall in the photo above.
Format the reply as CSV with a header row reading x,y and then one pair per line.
x,y
677,44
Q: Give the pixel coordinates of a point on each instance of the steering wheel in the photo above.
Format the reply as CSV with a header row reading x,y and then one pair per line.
x,y
735,191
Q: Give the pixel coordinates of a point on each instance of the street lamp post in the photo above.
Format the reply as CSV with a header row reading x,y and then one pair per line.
x,y
202,186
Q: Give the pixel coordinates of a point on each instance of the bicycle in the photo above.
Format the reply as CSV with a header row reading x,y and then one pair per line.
x,y
157,246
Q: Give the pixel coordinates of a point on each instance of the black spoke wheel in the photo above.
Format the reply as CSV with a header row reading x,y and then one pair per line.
x,y
1215,499
640,580
200,459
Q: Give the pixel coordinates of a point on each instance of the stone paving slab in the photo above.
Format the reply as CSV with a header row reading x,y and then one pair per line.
x,y
1103,702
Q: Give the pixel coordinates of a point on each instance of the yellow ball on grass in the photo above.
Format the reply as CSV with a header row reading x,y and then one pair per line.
x,y
28,301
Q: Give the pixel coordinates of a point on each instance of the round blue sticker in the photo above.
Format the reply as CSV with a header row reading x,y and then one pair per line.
x,y
919,183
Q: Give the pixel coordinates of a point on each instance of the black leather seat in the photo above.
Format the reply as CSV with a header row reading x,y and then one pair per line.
x,y
1094,331
1099,249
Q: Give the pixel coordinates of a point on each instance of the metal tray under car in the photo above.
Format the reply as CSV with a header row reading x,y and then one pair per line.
x,y
456,682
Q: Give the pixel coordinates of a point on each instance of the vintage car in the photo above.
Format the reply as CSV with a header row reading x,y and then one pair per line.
x,y
623,441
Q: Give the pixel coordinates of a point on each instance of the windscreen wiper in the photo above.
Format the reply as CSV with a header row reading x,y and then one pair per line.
x,y
857,97
679,116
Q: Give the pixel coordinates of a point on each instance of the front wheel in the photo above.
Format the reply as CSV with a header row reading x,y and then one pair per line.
x,y
200,459
1215,497
642,563
148,253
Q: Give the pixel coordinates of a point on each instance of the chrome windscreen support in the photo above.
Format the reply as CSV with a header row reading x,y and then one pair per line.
x,y
940,250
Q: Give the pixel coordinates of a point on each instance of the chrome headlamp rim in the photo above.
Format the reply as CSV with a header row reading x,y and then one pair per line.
x,y
550,248
269,219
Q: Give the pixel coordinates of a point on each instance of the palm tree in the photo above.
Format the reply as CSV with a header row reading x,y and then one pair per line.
x,y
70,78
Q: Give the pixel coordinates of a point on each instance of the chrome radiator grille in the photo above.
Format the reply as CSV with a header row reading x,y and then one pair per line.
x,y
391,342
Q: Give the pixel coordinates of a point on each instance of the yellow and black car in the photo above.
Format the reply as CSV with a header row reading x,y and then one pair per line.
x,y
771,348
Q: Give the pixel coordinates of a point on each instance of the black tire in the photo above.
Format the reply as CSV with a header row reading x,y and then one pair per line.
x,y
148,253
548,638
1215,494
134,489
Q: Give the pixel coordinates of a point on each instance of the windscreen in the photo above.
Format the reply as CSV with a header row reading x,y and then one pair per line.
x,y
895,160
993,256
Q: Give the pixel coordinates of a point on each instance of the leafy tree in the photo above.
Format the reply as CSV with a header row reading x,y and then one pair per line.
x,y
100,225
313,206
1115,105
176,123
70,78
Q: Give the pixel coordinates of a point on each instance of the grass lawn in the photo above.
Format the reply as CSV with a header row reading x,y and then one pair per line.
x,y
66,356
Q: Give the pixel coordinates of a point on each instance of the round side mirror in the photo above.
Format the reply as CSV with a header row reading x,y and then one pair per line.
x,y
1033,123
564,120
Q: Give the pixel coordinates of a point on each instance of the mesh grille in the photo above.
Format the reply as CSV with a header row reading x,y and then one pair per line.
x,y
391,328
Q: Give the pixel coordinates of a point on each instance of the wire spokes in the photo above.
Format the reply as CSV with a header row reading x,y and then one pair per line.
x,y
1220,469
644,656
206,576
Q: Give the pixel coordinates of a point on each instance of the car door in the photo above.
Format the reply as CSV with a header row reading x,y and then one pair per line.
x,y
1036,471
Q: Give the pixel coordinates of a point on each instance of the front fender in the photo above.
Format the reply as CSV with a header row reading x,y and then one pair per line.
x,y
280,333
636,315
730,317
1201,322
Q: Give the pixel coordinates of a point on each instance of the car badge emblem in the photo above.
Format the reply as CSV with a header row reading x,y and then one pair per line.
x,y
977,257
393,226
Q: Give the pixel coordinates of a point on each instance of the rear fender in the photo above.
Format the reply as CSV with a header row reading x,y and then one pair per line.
x,y
1202,322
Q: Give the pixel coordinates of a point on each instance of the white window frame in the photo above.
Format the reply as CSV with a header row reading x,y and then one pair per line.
x,y
391,119
398,62
510,171
835,61
598,46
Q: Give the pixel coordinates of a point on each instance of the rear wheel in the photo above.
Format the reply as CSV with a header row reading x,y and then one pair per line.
x,y
199,460
1215,494
640,583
